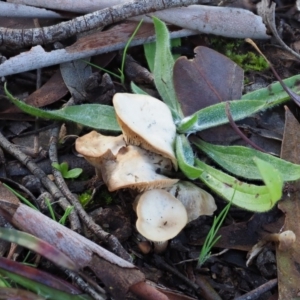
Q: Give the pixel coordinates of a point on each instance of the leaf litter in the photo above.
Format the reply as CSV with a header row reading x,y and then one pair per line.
x,y
183,246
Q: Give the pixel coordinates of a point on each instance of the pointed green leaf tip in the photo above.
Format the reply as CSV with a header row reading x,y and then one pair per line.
x,y
238,160
97,116
248,196
271,178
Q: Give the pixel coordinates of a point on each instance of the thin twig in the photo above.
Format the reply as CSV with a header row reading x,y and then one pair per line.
x,y
256,293
85,287
202,287
40,174
111,240
100,18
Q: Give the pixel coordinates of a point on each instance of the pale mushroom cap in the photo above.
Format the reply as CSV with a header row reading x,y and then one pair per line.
x,y
196,201
136,168
160,215
95,144
146,122
95,147
286,240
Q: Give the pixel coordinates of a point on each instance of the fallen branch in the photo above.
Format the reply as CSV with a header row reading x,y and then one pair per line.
x,y
100,18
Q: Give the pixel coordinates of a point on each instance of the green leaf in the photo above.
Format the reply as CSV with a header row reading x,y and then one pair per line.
x,y
247,196
74,173
64,167
163,69
271,178
149,50
97,116
275,92
238,160
136,89
215,115
185,157
56,166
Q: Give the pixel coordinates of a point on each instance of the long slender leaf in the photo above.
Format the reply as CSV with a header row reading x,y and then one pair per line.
x,y
215,115
238,160
275,92
185,157
149,50
97,116
248,196
163,69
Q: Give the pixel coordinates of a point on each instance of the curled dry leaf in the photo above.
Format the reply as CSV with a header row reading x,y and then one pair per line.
x,y
196,201
136,168
146,122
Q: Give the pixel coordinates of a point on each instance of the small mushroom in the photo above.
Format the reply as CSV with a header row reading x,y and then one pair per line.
x,y
285,239
146,122
136,168
160,216
196,201
96,147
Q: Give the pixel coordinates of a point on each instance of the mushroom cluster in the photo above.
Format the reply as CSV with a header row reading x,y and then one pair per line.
x,y
138,158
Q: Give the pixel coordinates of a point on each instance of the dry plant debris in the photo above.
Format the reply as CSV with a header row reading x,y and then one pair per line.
x,y
141,169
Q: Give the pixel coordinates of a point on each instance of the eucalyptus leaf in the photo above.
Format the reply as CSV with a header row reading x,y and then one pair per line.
x,y
185,157
215,115
163,69
275,92
238,160
97,116
248,196
271,178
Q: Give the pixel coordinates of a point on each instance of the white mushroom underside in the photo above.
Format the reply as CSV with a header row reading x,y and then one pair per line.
x,y
146,122
136,168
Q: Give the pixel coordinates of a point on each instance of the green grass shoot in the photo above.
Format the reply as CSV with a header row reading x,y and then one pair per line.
x,y
212,238
121,77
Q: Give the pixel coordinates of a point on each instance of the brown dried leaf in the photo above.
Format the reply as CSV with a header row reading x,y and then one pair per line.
x,y
208,79
288,261
53,90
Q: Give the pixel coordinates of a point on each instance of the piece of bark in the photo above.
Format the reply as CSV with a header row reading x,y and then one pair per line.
x,y
117,274
288,261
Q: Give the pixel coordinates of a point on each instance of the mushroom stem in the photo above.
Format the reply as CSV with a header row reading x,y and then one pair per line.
x,y
284,239
160,247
